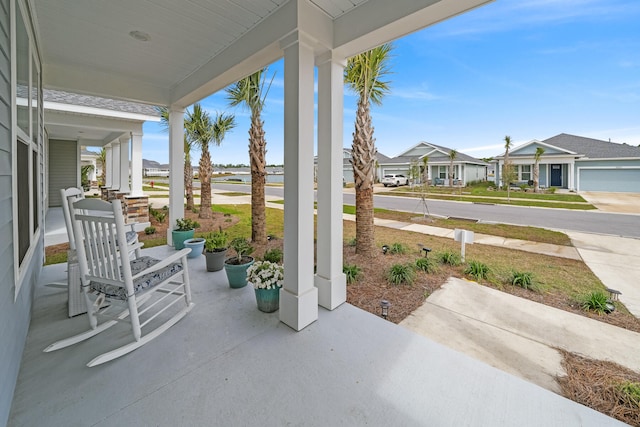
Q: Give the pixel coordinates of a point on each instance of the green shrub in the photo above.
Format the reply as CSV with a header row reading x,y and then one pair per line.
x,y
273,255
158,214
477,269
523,279
242,248
551,190
401,274
631,391
352,272
428,265
149,230
397,249
352,242
216,241
451,258
186,224
596,301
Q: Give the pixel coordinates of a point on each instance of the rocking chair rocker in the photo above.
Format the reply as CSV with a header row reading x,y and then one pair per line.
x,y
141,284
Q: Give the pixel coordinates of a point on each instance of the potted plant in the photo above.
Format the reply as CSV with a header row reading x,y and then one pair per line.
x,y
215,249
197,246
267,279
185,228
236,266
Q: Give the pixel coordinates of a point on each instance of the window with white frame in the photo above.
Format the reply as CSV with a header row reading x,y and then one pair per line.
x,y
28,153
443,172
525,172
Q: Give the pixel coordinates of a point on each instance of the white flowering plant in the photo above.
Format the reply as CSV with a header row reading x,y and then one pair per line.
x,y
265,275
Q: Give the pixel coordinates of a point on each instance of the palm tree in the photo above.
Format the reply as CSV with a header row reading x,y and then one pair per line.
x,y
102,159
251,93
425,172
188,168
452,157
201,130
536,169
363,75
507,169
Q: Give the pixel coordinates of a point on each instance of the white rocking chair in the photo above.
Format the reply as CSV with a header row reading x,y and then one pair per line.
x,y
106,270
75,304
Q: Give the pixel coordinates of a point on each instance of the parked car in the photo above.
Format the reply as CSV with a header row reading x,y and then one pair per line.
x,y
395,179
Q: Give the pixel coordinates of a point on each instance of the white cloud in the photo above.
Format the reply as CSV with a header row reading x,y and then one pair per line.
x,y
414,94
515,14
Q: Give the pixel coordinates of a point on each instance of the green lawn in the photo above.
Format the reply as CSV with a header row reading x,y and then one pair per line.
x,y
517,198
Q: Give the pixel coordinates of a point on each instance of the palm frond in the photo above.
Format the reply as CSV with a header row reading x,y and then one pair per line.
x,y
364,73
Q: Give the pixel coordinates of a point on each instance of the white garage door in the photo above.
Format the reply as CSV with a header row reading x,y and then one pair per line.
x,y
618,180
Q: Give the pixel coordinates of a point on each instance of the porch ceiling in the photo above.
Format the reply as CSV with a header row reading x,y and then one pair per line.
x,y
197,47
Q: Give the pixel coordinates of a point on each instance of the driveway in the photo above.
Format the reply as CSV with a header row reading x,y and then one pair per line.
x,y
627,203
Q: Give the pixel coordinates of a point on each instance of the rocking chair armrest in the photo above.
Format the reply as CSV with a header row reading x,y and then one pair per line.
x,y
178,256
134,246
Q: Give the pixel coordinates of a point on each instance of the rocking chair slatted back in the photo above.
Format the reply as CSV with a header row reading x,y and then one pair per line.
x,y
102,225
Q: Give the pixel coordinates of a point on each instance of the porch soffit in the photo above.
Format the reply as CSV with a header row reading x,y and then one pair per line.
x,y
197,47
91,129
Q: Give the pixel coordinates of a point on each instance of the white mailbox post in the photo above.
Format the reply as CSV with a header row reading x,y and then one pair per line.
x,y
463,236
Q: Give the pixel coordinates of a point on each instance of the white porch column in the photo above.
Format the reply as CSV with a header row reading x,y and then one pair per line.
x,y
108,166
115,165
330,280
298,297
136,164
571,175
176,168
124,165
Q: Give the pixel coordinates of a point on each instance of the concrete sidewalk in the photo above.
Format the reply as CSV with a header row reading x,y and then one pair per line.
x,y
480,322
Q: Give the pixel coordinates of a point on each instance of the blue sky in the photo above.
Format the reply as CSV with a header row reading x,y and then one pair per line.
x,y
530,69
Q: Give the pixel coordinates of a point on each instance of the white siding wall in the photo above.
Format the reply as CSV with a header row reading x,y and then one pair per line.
x,y
14,312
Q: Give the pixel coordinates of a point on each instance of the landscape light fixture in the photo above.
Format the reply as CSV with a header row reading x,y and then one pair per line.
x,y
426,252
384,306
385,249
613,294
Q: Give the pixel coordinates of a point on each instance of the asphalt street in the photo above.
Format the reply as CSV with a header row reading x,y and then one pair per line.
x,y
560,219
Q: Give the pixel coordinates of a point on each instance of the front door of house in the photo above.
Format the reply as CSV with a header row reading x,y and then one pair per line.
x,y
556,175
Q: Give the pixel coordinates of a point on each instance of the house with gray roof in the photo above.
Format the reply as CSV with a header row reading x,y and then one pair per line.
x,y
466,169
578,163
347,167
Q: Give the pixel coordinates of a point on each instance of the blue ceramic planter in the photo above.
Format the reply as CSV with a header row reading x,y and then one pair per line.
x,y
237,273
268,299
196,245
179,237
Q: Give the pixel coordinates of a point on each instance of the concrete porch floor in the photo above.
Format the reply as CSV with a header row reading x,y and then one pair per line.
x,y
226,363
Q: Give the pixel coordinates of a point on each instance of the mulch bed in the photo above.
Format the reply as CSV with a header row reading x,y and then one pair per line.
x,y
597,384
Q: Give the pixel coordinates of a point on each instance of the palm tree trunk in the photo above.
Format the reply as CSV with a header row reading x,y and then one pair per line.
x,y
451,174
205,185
363,157
188,183
536,177
257,154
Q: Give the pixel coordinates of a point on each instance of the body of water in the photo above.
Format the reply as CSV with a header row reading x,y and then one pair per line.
x,y
247,178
